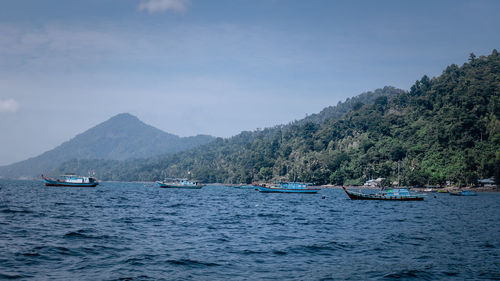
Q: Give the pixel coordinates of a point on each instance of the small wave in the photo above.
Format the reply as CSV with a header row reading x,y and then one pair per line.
x,y
315,248
193,263
135,262
270,215
127,220
278,252
12,211
12,276
83,234
140,260
178,205
31,254
60,203
488,245
76,234
53,251
449,273
155,219
141,277
405,274
251,252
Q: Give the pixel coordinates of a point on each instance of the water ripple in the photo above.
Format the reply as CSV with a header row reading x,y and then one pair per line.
x,y
126,231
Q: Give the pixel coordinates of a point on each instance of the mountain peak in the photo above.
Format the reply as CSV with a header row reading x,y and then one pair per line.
x,y
124,117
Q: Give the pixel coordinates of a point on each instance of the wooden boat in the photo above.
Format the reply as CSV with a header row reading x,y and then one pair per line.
x,y
70,180
287,187
180,183
463,193
395,194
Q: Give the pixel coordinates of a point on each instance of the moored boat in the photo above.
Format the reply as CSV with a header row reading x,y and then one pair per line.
x,y
396,194
287,187
180,183
70,180
243,186
430,189
463,193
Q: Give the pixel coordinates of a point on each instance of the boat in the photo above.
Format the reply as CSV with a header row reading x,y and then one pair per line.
x,y
395,194
463,193
180,183
70,180
287,187
430,189
442,191
243,186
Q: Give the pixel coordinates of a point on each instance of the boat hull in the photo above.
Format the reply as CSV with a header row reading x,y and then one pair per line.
x,y
286,190
166,185
51,182
463,193
360,196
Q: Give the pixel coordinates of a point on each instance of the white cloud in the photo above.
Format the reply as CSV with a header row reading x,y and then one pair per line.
x,y
8,106
158,6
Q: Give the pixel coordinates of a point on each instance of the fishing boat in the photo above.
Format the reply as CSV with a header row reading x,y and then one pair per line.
x,y
180,183
463,193
70,180
287,187
396,194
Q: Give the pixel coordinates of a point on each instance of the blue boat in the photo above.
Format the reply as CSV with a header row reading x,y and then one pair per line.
x,y
180,183
287,187
463,193
70,180
396,194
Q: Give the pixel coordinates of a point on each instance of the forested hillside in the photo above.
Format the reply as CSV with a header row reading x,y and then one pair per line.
x,y
444,129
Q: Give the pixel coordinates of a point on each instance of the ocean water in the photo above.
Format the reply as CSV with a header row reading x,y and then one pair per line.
x,y
136,231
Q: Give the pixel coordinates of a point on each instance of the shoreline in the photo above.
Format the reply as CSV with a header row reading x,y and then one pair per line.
x,y
421,189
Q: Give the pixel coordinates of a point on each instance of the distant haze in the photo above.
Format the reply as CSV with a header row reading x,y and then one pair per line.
x,y
214,67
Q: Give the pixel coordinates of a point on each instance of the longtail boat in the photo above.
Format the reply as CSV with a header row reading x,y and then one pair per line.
x,y
70,180
180,183
287,187
397,194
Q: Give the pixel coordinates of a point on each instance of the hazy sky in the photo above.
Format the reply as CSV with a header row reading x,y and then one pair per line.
x,y
214,67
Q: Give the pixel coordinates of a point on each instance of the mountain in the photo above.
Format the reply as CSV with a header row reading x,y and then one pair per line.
x,y
121,137
445,129
204,157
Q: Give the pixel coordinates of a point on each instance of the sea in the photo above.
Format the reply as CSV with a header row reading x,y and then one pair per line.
x,y
137,231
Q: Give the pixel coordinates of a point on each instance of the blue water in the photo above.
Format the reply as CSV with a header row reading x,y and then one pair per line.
x,y
135,231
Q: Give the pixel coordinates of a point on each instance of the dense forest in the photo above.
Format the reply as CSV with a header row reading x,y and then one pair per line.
x,y
445,129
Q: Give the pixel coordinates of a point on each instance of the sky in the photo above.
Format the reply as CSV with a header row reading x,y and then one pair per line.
x,y
215,67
